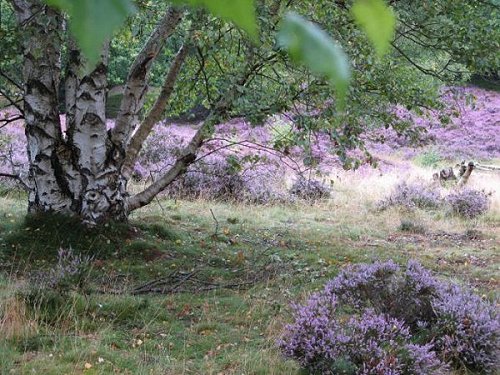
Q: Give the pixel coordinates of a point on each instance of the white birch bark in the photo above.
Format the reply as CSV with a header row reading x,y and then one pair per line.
x,y
136,86
41,49
155,114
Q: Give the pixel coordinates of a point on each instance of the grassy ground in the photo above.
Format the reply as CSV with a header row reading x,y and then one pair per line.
x,y
232,271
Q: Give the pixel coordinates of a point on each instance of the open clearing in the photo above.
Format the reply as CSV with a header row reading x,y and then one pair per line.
x,y
204,288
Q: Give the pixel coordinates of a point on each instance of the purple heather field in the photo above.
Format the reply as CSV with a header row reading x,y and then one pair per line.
x,y
473,132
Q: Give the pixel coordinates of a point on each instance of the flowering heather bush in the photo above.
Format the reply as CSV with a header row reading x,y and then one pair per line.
x,y
310,190
213,179
326,342
228,169
461,327
13,154
410,196
230,179
471,133
468,203
466,330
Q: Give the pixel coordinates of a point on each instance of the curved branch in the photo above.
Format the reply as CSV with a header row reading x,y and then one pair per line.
x,y
12,102
188,155
419,67
17,178
7,121
136,86
187,158
11,81
154,116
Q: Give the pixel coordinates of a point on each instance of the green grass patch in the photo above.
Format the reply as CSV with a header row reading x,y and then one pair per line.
x,y
224,330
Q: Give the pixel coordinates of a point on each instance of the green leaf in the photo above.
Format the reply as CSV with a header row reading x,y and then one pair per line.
x,y
93,21
241,12
378,22
310,45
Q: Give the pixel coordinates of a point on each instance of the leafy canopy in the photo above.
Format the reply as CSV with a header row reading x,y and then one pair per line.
x,y
94,21
241,12
308,44
378,22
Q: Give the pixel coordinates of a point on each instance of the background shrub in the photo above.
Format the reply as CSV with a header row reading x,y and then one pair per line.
x,y
411,196
468,203
310,190
230,179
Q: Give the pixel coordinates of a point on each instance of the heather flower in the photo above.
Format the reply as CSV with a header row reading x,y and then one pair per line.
x,y
412,196
468,203
467,330
324,341
472,132
310,190
365,282
461,328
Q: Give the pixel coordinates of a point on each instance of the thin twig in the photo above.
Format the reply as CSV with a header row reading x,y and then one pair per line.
x,y
216,224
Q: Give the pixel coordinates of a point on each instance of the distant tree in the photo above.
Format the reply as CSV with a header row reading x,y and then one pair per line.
x,y
84,169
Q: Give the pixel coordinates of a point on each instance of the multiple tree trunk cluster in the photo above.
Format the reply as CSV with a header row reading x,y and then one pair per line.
x,y
83,168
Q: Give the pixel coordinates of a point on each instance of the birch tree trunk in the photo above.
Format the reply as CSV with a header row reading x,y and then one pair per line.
x,y
41,48
74,172
83,170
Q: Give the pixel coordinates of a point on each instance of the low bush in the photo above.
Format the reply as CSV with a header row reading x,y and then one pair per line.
x,y
229,179
448,322
310,190
468,203
326,342
411,226
50,291
412,196
70,272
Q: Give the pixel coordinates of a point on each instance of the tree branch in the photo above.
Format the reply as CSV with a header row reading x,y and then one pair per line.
x,y
11,81
154,115
187,158
7,121
17,178
12,101
419,67
188,155
136,86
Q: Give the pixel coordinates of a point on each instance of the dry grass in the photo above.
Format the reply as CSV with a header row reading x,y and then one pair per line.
x,y
14,322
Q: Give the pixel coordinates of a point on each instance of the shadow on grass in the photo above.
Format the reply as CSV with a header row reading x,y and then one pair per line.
x,y
39,237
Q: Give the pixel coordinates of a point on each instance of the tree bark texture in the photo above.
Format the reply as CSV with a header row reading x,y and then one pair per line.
x,y
83,169
42,67
74,172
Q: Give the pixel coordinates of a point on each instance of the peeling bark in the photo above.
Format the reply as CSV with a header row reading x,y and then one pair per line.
x,y
84,172
71,82
76,174
41,49
99,192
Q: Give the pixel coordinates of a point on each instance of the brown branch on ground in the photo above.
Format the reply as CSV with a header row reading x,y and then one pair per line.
x,y
187,282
